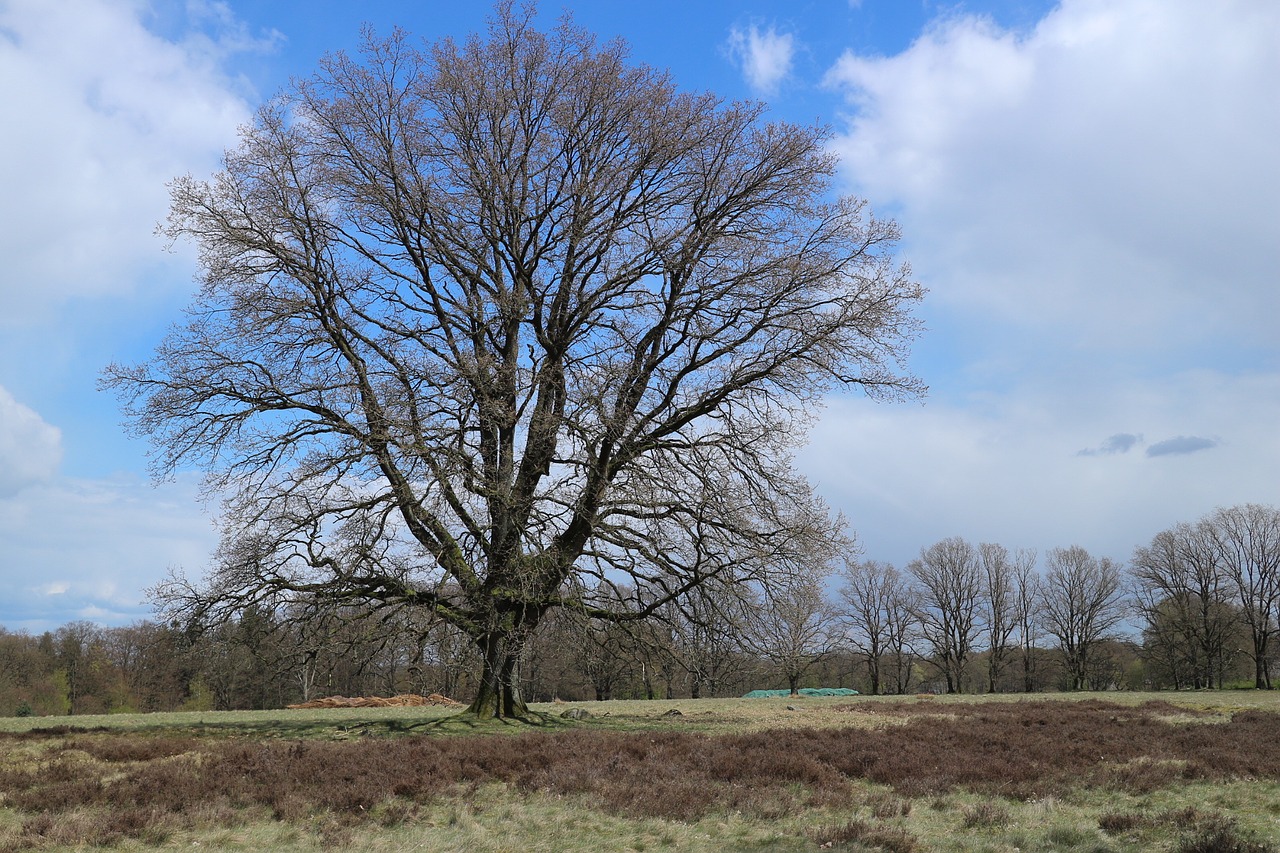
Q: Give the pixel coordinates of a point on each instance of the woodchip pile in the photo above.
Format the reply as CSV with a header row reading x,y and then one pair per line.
x,y
404,700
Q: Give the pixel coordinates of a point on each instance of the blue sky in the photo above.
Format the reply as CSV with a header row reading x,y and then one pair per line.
x,y
1087,188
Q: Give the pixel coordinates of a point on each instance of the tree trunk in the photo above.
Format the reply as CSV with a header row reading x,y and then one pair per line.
x,y
1264,665
1076,670
995,666
498,695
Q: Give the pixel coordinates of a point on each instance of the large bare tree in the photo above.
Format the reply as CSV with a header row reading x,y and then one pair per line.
x,y
878,618
486,327
1183,590
1083,600
1000,606
792,624
1026,612
1245,540
949,581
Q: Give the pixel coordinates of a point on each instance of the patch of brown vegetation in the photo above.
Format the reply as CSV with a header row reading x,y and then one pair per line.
x,y
146,787
1031,749
404,700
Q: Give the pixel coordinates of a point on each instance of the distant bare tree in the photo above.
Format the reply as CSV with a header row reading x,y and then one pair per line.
x,y
1000,606
903,634
707,645
600,650
1183,590
446,660
651,658
78,644
1083,600
1026,612
487,327
792,624
949,608
155,661
1246,541
877,613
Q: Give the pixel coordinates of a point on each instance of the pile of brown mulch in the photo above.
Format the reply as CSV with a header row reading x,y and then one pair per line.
x,y
404,700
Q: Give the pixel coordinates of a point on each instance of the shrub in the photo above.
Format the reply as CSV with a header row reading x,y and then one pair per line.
x,y
884,806
1118,823
874,836
985,815
1221,835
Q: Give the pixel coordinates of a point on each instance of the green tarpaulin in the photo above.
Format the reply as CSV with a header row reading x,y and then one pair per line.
x,y
803,691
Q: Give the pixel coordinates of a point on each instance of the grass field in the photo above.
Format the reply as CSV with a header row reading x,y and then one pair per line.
x,y
1186,772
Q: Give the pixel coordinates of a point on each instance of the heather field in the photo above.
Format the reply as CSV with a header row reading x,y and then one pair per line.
x,y
1188,772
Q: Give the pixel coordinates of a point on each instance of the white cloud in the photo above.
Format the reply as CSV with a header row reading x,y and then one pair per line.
x,y
1092,205
102,102
763,55
99,114
30,449
77,549
1010,472
1110,176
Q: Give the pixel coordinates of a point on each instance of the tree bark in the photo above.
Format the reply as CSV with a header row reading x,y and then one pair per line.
x,y
498,696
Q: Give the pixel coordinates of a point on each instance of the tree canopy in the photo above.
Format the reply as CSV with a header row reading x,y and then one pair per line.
x,y
493,327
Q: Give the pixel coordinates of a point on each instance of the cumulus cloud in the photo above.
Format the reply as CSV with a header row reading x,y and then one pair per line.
x,y
1091,202
99,113
1183,444
102,103
1107,176
30,449
763,55
1121,442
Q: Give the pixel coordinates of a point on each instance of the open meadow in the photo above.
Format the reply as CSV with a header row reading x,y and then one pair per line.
x,y
1188,772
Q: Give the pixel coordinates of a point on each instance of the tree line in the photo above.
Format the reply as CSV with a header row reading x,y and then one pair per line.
x,y
1197,607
